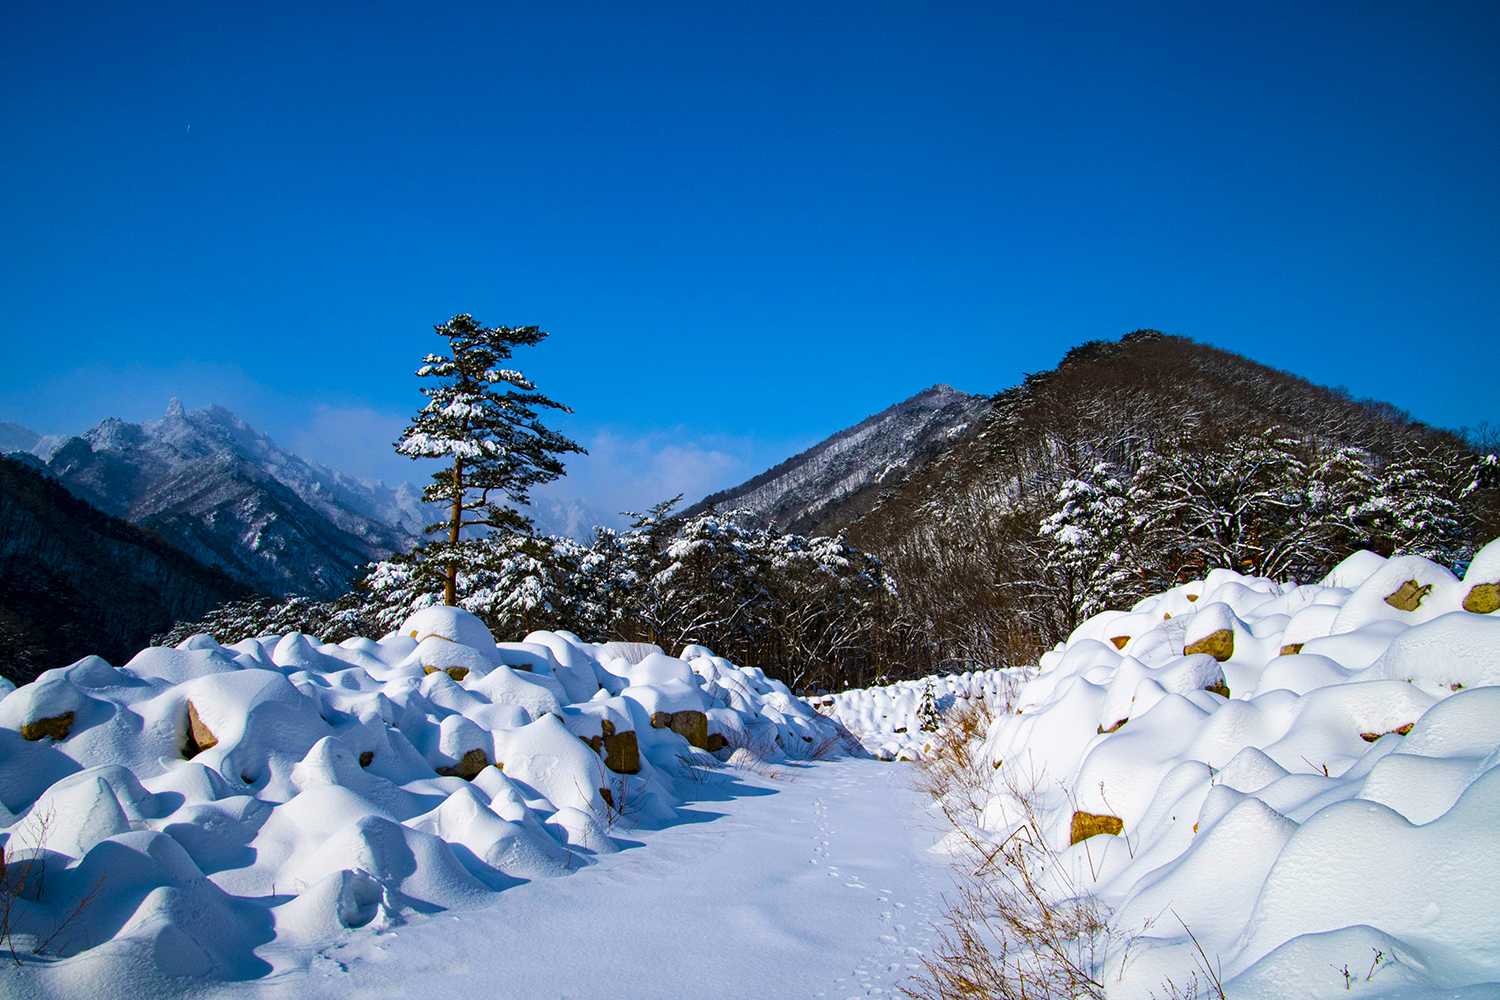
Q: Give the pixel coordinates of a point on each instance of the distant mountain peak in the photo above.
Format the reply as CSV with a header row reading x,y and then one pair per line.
x,y
227,494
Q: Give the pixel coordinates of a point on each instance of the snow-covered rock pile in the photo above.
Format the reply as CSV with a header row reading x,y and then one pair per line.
x,y
1304,776
889,720
243,806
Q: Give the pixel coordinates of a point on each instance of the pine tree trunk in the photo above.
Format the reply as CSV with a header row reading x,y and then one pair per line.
x,y
450,584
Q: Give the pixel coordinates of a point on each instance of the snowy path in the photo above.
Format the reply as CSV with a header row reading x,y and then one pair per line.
x,y
817,883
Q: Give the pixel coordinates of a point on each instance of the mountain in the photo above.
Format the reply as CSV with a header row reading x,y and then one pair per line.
x,y
74,580
229,496
568,517
827,484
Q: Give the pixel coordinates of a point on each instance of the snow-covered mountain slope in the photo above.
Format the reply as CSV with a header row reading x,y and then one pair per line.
x,y
1302,780
806,492
242,809
231,497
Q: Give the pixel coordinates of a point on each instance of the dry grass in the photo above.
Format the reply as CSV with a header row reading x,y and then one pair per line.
x,y
1017,927
1009,931
22,881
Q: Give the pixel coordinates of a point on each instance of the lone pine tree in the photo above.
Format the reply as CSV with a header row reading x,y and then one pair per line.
x,y
483,419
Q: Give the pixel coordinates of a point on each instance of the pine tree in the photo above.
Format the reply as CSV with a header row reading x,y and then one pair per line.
x,y
483,419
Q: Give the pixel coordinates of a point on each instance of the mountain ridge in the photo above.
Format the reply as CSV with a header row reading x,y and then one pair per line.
x,y
801,493
227,494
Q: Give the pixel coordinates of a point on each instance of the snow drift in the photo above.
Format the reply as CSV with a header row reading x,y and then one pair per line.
x,y
1305,777
240,807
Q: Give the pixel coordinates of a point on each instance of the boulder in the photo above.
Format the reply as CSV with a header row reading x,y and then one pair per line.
x,y
1086,825
622,754
1399,731
1408,596
56,727
1219,644
469,767
692,726
198,737
1483,598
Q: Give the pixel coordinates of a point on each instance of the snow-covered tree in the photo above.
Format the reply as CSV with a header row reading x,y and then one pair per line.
x,y
483,420
1089,558
1417,499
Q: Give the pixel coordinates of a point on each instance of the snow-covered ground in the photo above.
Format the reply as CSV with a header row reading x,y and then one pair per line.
x,y
1304,776
246,811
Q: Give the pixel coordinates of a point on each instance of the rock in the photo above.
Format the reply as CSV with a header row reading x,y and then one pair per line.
x,y
199,737
1111,729
1408,597
457,673
1219,645
622,754
608,797
1120,641
56,727
1291,649
661,720
468,769
716,742
1218,688
692,726
367,758
1483,598
1372,737
1086,825
607,727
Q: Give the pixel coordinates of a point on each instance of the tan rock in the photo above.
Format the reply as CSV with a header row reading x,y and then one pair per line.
x,y
608,797
1292,648
469,767
56,727
1401,731
1408,597
1219,645
661,720
622,754
199,737
1218,688
1120,641
1114,728
457,673
1086,825
692,726
716,742
1483,598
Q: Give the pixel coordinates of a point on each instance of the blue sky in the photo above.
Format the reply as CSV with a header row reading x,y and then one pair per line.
x,y
745,225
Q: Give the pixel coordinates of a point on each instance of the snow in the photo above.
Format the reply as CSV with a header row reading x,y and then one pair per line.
x,y
1339,803
244,809
888,720
1311,795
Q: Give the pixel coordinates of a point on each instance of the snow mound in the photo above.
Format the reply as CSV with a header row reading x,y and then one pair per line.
x,y
235,809
1303,776
889,720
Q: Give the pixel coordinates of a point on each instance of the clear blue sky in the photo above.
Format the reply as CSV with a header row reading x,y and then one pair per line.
x,y
745,225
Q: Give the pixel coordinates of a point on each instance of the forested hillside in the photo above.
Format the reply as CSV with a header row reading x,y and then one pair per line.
x,y
1138,464
75,581
1130,467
